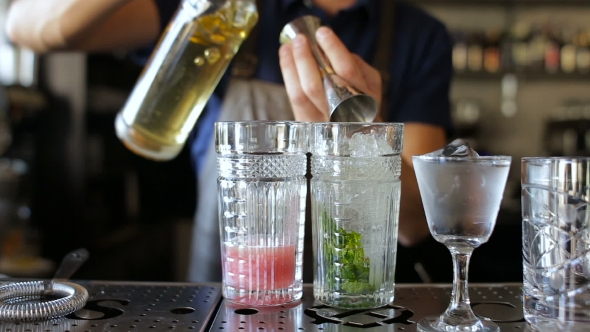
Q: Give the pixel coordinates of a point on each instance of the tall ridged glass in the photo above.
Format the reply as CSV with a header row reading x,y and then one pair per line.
x,y
355,193
556,242
262,193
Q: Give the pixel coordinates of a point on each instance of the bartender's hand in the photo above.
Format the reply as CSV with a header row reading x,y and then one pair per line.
x,y
303,80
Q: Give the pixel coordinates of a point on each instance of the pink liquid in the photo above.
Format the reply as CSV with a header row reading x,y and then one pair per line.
x,y
255,268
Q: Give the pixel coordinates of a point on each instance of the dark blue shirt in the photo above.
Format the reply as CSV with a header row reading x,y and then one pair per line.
x,y
421,65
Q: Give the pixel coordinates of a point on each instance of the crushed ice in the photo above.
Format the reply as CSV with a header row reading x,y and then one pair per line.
x,y
358,145
366,145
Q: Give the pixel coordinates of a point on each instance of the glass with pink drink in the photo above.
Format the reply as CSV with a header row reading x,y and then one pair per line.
x,y
261,193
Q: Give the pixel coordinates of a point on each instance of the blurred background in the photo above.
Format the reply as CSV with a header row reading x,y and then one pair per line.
x,y
522,77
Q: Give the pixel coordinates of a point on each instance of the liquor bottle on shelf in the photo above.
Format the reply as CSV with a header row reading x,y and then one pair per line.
x,y
582,42
552,50
459,51
568,52
536,50
491,56
520,45
506,41
475,52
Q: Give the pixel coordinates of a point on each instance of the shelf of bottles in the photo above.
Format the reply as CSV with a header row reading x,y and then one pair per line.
x,y
538,51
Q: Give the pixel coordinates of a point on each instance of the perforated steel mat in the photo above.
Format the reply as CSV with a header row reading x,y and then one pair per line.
x,y
501,303
123,306
118,307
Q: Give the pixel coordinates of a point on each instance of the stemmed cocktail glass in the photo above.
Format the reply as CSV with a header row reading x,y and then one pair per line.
x,y
461,197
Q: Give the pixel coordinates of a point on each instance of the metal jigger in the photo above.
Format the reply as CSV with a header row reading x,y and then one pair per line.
x,y
347,103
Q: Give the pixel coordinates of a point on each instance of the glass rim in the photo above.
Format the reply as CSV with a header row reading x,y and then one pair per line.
x,y
264,122
463,159
358,123
264,137
549,159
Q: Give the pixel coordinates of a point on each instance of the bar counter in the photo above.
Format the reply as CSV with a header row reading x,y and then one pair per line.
x,y
134,306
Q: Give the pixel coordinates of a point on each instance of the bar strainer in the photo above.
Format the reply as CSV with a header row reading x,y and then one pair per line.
x,y
45,299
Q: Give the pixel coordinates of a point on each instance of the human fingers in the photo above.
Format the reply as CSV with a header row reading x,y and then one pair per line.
x,y
309,74
351,67
347,65
372,78
302,107
340,58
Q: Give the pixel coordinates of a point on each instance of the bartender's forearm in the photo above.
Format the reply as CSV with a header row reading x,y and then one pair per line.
x,y
413,228
418,139
412,222
82,25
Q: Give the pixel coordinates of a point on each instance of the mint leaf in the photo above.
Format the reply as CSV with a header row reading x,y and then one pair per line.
x,y
344,257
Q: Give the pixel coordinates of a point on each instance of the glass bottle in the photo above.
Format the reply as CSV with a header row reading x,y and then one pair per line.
x,y
520,51
492,51
568,52
583,52
459,51
184,69
537,46
475,53
552,52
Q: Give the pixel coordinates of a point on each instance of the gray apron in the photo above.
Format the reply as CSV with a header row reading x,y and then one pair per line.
x,y
251,99
245,100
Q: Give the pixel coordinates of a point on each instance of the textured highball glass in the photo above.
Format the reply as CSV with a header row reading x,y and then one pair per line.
x,y
355,193
556,242
461,198
261,196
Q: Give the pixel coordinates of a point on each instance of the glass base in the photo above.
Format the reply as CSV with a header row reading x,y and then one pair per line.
x,y
355,301
262,298
434,324
142,145
540,323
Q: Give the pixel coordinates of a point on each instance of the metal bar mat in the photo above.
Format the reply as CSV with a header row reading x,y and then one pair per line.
x,y
117,307
501,303
128,306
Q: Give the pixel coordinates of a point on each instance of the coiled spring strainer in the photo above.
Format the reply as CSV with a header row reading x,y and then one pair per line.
x,y
23,301
43,300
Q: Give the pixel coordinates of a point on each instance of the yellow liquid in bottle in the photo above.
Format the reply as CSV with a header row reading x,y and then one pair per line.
x,y
166,103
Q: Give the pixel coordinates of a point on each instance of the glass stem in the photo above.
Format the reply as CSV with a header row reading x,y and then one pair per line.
x,y
460,307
